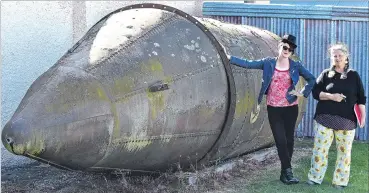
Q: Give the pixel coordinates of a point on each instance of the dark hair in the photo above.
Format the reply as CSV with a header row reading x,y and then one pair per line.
x,y
291,46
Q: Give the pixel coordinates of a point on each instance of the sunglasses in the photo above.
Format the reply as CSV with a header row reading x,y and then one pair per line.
x,y
287,48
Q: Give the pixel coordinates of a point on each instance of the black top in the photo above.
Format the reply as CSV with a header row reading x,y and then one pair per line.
x,y
352,87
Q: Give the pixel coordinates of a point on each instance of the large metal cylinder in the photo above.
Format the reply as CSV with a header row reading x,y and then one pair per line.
x,y
148,87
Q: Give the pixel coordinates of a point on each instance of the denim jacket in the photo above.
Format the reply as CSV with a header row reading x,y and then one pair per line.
x,y
268,65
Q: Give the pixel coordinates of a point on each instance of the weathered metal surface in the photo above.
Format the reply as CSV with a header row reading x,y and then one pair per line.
x,y
229,19
315,28
147,88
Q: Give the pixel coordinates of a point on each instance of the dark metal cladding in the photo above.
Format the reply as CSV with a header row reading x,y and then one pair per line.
x,y
146,89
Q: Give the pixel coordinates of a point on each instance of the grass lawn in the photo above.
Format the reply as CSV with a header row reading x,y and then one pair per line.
x,y
268,181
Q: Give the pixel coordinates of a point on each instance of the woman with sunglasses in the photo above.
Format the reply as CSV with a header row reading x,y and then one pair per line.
x,y
280,76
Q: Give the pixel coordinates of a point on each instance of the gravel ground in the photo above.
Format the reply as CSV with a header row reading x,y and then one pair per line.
x,y
21,174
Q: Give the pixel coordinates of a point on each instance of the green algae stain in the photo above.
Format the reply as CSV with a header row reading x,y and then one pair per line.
x,y
156,99
156,66
123,85
59,107
100,93
19,149
206,113
156,102
36,147
168,80
113,107
244,105
71,98
116,128
132,143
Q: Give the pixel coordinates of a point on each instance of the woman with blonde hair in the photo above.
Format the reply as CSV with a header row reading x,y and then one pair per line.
x,y
337,90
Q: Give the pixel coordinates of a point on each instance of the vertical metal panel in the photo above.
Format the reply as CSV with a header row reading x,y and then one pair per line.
x,y
262,22
355,35
316,59
322,2
314,36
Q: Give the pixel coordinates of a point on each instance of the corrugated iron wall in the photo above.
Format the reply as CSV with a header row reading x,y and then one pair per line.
x,y
316,28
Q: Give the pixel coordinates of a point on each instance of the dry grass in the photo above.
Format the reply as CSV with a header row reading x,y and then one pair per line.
x,y
244,174
210,179
42,178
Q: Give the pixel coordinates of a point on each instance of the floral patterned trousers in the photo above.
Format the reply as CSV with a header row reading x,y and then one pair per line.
x,y
319,161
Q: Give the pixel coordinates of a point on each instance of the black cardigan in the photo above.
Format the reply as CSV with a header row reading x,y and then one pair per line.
x,y
352,87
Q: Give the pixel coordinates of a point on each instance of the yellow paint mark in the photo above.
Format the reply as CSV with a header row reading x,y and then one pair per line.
x,y
254,116
244,105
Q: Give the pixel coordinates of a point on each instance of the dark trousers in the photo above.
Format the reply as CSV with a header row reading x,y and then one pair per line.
x,y
282,121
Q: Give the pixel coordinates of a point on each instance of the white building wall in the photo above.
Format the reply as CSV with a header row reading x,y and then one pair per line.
x,y
35,34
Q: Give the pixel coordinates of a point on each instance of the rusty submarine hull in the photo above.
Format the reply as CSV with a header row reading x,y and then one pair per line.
x,y
147,88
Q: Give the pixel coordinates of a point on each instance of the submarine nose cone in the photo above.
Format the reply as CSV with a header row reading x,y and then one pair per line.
x,y
15,136
65,118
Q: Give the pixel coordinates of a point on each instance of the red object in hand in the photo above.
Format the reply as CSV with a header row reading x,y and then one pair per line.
x,y
357,113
